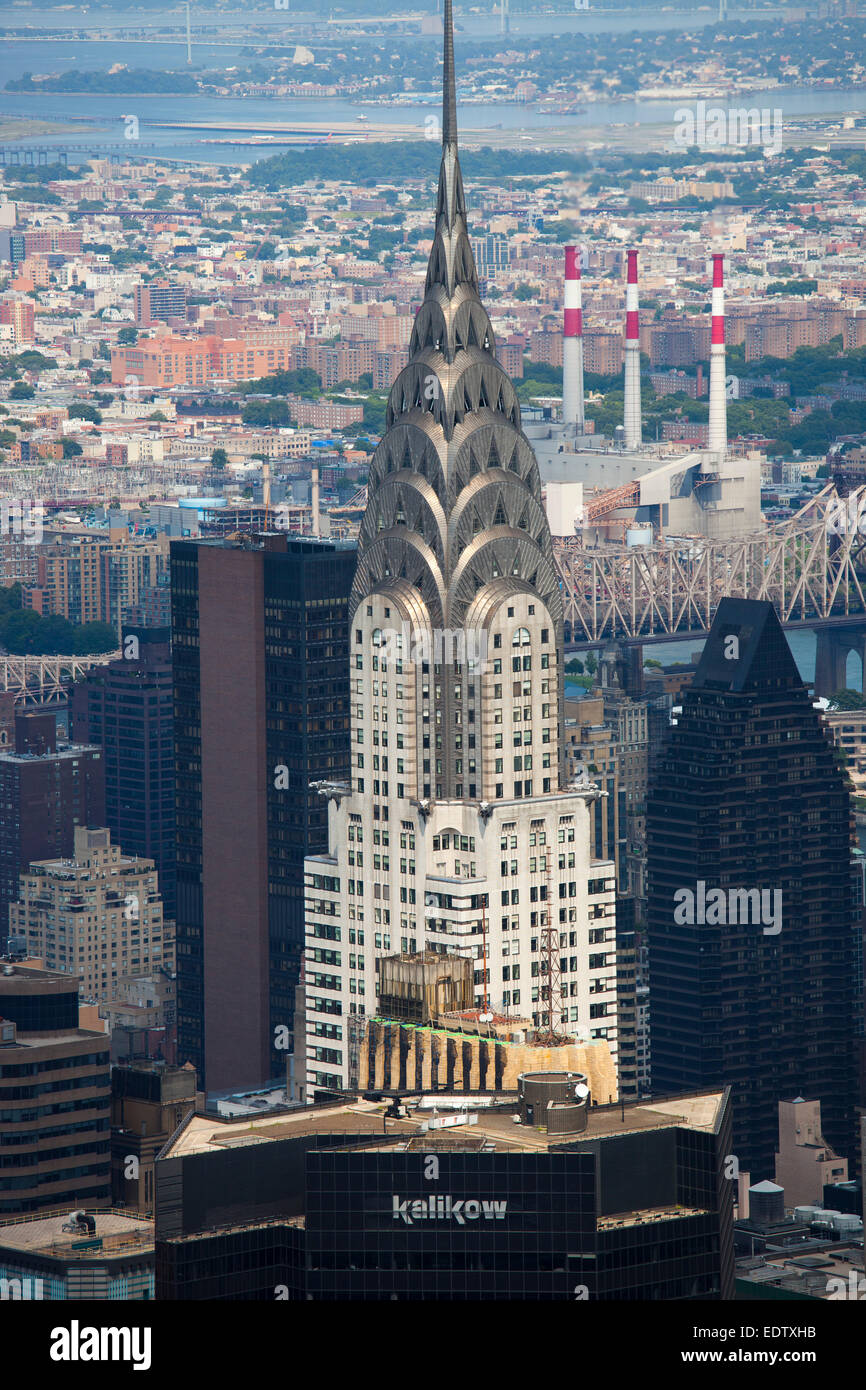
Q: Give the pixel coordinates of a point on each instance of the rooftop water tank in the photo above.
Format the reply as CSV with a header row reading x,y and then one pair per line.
x,y
556,1101
766,1203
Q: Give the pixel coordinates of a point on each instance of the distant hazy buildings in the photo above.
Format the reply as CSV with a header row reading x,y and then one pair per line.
x,y
18,313
160,299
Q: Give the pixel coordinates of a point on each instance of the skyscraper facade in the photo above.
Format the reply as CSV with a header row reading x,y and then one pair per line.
x,y
456,833
96,914
749,892
55,1096
260,654
49,789
126,708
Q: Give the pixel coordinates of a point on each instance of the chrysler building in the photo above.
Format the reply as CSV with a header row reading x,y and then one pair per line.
x,y
457,834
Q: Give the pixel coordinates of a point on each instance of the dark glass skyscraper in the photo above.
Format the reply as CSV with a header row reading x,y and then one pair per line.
x,y
261,661
749,892
340,1203
47,789
125,707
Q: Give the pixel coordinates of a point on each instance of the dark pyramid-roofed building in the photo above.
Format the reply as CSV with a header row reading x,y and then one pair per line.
x,y
752,985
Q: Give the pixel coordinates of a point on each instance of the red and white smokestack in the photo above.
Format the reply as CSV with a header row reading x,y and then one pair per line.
x,y
717,441
572,343
631,418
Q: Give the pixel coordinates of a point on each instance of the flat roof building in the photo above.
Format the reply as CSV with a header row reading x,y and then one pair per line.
x,y
341,1201
65,1254
54,1096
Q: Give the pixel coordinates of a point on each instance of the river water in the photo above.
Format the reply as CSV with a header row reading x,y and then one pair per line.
x,y
802,643
109,112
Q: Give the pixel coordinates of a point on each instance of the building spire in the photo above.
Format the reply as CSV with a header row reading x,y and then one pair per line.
x,y
449,85
455,517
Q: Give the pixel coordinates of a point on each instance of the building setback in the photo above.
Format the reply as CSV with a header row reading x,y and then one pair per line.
x,y
261,710
747,798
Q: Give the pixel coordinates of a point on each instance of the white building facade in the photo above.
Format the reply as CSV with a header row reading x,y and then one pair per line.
x,y
456,834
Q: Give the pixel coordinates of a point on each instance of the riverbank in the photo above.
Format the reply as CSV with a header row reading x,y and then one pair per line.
x,y
14,129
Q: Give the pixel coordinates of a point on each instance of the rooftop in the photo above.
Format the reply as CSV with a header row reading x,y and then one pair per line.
x,y
56,1037
496,1127
118,1233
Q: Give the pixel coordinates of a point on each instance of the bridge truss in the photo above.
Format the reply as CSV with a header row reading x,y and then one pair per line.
x,y
812,568
46,680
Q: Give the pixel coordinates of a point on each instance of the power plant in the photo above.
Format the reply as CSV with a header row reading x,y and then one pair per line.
x,y
625,489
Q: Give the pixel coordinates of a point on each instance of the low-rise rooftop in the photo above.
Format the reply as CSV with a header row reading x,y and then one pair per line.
x,y
115,1233
495,1126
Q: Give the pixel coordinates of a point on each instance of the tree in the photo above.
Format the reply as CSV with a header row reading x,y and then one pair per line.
x,y
128,335
21,391
848,699
218,459
71,449
80,410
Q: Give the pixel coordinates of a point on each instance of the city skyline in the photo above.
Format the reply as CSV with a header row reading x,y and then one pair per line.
x,y
432,632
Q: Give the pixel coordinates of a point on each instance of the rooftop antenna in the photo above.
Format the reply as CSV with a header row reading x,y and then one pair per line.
x,y
449,85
